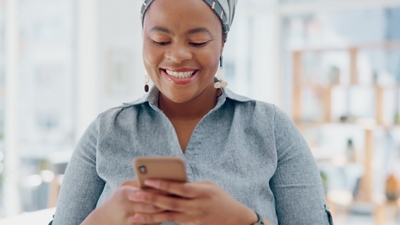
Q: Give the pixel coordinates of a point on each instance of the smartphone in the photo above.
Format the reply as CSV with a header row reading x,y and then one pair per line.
x,y
165,168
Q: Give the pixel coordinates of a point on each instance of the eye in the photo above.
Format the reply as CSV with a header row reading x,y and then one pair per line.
x,y
162,43
195,44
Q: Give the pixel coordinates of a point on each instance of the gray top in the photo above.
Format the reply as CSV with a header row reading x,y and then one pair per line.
x,y
250,148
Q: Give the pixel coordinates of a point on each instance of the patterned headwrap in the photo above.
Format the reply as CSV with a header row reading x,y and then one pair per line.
x,y
225,10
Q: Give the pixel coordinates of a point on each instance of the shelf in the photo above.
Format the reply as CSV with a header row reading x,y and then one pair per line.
x,y
321,86
324,89
381,45
338,162
363,124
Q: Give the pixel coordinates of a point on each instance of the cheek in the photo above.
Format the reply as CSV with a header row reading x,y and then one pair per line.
x,y
151,56
210,61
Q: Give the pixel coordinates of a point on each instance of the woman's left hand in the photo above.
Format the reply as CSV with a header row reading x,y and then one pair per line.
x,y
197,203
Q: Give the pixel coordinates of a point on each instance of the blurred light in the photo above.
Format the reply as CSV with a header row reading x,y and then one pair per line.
x,y
32,181
339,160
1,155
340,197
47,176
60,179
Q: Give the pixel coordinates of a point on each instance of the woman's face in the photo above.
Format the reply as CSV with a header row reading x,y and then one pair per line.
x,y
182,44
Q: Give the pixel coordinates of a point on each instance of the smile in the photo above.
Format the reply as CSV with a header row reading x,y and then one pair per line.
x,y
180,75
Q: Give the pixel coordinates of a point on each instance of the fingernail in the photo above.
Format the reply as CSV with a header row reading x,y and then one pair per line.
x,y
152,183
137,219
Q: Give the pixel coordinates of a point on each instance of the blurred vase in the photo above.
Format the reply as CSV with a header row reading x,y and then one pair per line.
x,y
350,151
392,187
397,117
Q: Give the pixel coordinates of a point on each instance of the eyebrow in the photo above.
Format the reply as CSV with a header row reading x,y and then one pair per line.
x,y
198,30
192,31
161,29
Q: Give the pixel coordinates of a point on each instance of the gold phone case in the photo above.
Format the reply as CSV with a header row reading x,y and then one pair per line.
x,y
166,168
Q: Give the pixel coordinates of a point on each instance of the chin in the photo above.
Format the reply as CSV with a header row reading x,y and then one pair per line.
x,y
179,97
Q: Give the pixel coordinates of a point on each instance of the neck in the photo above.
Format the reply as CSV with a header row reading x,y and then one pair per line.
x,y
196,108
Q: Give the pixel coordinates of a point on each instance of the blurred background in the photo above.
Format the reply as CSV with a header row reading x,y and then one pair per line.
x,y
332,65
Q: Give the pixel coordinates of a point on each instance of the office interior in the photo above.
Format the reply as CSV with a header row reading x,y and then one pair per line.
x,y
333,66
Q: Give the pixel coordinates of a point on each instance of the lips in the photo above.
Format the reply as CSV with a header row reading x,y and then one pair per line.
x,y
180,76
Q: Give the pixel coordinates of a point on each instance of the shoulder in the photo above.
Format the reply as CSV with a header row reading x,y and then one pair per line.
x,y
125,113
260,113
147,103
259,109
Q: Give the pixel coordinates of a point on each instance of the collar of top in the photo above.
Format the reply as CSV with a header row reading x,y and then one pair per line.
x,y
214,5
153,95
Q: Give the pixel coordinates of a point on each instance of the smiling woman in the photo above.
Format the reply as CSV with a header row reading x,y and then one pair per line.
x,y
182,58
246,161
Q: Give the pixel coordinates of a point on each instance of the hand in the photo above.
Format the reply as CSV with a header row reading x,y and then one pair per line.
x,y
120,209
197,204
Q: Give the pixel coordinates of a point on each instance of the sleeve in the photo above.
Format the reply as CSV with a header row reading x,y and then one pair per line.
x,y
81,186
296,184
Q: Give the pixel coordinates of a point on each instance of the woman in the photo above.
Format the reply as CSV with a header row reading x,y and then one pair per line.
x,y
246,161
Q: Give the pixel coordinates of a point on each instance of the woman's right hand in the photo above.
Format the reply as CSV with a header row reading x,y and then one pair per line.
x,y
119,209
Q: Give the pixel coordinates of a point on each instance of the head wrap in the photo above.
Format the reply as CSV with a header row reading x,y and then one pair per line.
x,y
224,9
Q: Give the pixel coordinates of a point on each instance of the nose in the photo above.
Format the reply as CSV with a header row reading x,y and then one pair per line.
x,y
178,53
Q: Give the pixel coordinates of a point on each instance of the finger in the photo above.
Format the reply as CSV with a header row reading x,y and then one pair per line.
x,y
123,192
133,183
145,208
138,219
152,190
131,186
134,197
185,190
141,218
164,202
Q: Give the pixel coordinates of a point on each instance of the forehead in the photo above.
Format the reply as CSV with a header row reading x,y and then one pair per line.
x,y
181,15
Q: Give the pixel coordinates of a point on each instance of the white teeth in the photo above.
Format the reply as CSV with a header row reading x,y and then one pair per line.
x,y
180,74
